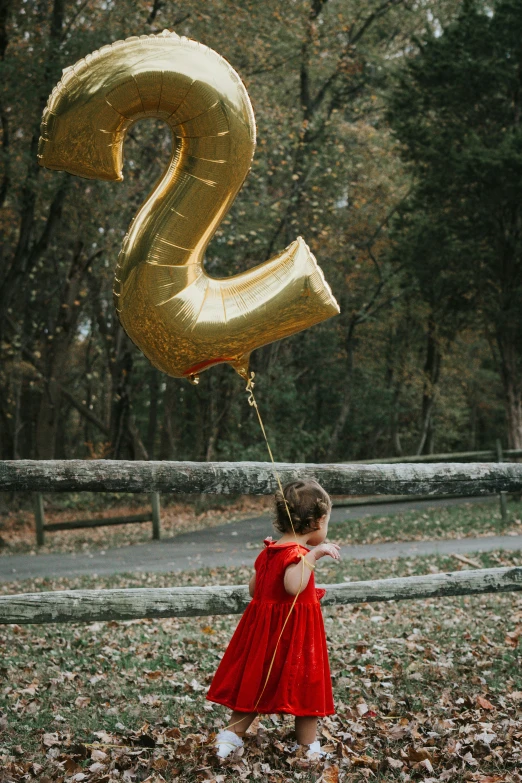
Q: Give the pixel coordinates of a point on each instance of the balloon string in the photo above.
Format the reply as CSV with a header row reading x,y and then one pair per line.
x,y
253,403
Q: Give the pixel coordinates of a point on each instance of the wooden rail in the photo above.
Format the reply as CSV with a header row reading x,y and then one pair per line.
x,y
257,478
482,456
77,524
93,605
42,527
489,455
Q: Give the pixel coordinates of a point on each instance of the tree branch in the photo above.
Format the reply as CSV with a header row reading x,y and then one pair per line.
x,y
382,10
84,411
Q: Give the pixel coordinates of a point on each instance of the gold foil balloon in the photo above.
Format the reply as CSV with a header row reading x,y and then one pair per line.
x,y
181,318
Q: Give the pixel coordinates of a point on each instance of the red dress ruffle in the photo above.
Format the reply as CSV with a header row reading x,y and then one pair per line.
x,y
300,682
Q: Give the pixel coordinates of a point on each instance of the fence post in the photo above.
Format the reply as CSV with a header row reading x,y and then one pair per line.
x,y
39,517
502,495
156,515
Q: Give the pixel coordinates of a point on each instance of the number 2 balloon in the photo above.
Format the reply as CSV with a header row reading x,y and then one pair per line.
x,y
182,319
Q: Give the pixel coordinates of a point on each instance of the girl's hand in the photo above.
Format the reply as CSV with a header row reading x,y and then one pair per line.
x,y
331,550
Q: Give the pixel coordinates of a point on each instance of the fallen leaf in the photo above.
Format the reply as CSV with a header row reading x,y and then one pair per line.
x,y
104,737
418,754
327,734
161,763
398,732
154,675
364,761
48,740
485,737
174,733
71,766
330,775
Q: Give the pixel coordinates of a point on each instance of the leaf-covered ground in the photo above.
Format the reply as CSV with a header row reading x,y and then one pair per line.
x,y
459,521
17,528
425,690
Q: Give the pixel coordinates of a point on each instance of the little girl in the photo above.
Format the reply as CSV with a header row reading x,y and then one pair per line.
x,y
277,661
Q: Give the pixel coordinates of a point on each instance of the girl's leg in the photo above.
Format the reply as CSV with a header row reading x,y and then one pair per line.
x,y
240,721
305,729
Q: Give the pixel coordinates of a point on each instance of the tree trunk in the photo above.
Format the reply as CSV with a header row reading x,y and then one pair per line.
x,y
18,423
214,417
221,395
346,403
394,421
154,387
57,354
395,360
341,421
511,372
48,419
431,377
168,440
122,442
28,249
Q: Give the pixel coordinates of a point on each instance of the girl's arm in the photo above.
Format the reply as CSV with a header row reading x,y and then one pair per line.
x,y
297,575
252,585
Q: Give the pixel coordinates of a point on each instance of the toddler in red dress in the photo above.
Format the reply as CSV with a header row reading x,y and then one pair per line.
x,y
277,661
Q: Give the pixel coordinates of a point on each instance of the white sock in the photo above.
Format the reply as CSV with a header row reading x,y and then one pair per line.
x,y
314,747
226,743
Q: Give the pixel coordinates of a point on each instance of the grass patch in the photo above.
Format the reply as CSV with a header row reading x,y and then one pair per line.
x,y
458,521
424,690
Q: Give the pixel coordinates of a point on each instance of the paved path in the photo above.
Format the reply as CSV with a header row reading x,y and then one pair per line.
x,y
232,545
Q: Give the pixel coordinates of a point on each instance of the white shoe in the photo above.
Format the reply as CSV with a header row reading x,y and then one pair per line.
x,y
313,749
226,743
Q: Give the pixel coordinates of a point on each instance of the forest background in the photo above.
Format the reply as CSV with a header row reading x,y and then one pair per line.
x,y
388,137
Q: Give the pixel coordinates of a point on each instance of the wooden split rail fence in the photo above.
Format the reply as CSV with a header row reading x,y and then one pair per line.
x,y
256,478
481,456
96,605
154,516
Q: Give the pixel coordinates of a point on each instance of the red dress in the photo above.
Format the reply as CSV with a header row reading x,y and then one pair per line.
x,y
299,682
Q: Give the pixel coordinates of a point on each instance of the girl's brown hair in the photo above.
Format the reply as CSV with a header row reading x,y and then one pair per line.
x,y
306,501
